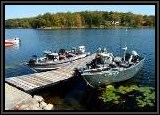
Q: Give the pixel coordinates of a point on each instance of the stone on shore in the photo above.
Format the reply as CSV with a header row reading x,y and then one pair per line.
x,y
43,104
49,107
16,99
38,98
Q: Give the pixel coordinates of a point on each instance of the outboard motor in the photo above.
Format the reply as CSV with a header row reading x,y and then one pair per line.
x,y
73,50
81,49
53,56
62,51
135,56
105,50
99,50
134,53
127,56
33,60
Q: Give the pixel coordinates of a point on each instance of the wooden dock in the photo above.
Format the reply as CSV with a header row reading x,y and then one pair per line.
x,y
43,79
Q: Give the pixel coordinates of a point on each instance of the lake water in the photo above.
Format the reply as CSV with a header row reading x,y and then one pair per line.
x,y
34,42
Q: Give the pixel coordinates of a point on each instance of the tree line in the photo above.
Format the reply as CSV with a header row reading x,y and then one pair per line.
x,y
84,19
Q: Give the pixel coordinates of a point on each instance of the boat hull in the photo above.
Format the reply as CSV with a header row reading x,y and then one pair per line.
x,y
52,65
8,44
49,67
12,41
96,79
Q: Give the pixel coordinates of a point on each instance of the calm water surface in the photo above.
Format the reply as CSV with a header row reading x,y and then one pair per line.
x,y
36,41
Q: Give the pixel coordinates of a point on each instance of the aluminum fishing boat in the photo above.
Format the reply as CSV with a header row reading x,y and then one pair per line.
x,y
107,69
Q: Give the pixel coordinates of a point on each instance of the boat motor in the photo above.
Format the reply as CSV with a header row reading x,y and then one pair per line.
x,y
62,51
134,53
127,56
81,49
73,50
32,60
135,56
105,50
99,50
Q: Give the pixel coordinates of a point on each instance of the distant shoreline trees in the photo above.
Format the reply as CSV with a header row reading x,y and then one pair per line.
x,y
84,19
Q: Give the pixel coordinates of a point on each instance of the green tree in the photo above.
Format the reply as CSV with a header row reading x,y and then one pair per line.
x,y
82,19
78,20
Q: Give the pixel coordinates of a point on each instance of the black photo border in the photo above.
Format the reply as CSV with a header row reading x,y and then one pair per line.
x,y
76,2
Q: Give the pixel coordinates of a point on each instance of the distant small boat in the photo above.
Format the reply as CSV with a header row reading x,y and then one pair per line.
x,y
12,41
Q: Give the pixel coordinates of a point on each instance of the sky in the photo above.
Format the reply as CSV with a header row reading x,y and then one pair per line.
x,y
26,11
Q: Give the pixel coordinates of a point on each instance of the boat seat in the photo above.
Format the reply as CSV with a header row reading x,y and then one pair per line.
x,y
112,65
125,65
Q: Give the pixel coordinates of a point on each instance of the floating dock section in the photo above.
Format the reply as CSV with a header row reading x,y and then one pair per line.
x,y
43,79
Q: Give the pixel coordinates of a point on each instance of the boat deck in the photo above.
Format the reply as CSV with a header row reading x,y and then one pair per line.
x,y
39,80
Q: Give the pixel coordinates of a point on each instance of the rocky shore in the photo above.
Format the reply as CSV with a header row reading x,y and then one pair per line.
x,y
16,99
35,103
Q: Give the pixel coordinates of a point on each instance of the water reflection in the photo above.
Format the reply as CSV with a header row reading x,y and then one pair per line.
x,y
14,47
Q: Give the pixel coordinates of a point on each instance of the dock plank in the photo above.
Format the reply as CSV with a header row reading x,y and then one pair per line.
x,y
32,81
51,78
34,78
22,86
42,79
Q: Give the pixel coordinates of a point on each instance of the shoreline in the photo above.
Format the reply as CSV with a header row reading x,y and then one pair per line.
x,y
112,27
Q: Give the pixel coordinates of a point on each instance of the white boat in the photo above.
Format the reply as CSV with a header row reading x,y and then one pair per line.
x,y
13,41
54,60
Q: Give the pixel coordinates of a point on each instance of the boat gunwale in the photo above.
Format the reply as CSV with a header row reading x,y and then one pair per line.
x,y
108,71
